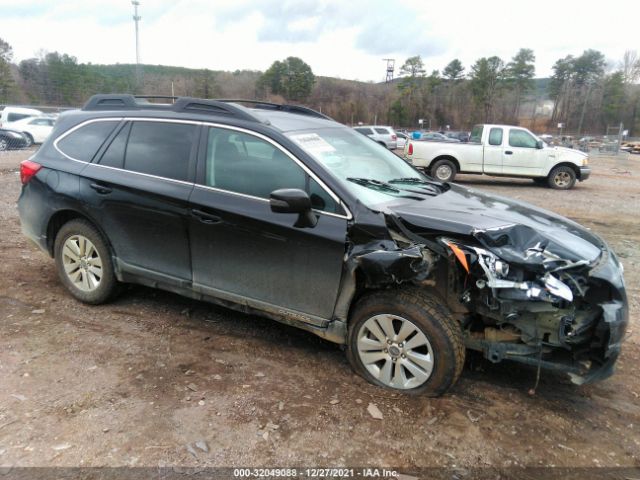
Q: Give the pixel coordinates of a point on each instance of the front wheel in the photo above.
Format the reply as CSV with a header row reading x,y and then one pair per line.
x,y
406,340
4,144
562,178
444,170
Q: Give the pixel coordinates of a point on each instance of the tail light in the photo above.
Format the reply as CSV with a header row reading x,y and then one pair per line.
x,y
410,151
394,137
27,170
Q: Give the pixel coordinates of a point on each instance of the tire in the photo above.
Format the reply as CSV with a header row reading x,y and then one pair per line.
x,y
4,144
81,250
29,139
444,170
430,319
562,178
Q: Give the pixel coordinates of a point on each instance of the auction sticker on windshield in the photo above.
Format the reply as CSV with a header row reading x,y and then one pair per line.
x,y
313,143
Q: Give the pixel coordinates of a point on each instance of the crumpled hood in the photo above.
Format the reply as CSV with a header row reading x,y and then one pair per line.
x,y
509,228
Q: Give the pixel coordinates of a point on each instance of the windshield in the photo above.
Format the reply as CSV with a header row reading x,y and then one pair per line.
x,y
367,169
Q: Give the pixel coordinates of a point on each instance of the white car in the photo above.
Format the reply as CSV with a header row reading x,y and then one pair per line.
x,y
36,129
501,150
384,135
13,114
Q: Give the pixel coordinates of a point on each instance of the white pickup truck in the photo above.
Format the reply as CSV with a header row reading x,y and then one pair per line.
x,y
500,150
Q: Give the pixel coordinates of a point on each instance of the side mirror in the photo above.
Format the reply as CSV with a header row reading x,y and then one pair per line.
x,y
294,200
539,144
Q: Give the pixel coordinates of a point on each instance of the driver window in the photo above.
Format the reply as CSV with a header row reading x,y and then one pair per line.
x,y
242,163
521,138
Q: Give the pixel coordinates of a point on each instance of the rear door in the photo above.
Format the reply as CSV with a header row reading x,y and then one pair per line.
x,y
138,189
243,251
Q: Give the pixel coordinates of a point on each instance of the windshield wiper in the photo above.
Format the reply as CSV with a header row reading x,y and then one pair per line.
x,y
410,180
418,181
375,184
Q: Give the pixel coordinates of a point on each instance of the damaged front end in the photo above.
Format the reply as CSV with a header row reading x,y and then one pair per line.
x,y
531,300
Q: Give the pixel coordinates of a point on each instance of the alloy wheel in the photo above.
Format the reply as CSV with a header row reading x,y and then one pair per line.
x,y
395,351
82,263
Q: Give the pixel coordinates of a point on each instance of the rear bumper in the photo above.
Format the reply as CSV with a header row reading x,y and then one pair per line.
x,y
585,172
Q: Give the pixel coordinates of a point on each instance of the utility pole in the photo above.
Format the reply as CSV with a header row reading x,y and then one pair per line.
x,y
136,19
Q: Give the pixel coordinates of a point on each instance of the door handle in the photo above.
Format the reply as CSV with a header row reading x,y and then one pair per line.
x,y
101,189
508,152
205,217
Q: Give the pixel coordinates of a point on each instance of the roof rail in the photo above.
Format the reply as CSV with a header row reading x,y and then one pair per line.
x,y
280,107
106,102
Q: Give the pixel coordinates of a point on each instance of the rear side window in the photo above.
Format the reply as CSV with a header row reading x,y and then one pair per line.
x,y
160,148
476,134
495,136
382,131
83,143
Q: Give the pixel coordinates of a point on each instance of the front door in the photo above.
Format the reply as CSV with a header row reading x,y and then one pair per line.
x,y
522,157
243,251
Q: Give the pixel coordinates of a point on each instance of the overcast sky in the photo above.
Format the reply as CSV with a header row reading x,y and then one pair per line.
x,y
340,38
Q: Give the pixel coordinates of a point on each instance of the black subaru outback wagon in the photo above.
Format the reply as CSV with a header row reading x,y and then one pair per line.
x,y
281,211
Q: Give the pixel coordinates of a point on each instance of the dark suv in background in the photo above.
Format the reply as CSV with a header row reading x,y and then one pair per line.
x,y
281,211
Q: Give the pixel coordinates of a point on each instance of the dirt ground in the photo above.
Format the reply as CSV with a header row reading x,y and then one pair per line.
x,y
141,380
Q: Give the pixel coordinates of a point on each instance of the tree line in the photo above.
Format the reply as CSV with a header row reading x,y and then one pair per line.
x,y
587,96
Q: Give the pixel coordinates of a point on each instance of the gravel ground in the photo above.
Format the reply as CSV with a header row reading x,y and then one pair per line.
x,y
142,380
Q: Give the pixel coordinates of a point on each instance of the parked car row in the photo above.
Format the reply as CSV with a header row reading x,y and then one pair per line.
x,y
385,135
33,126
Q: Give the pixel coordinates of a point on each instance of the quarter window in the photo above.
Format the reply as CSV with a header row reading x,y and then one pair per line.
x,y
160,148
521,138
495,136
242,163
83,143
114,155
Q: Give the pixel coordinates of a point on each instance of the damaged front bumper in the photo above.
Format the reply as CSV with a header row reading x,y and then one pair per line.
x,y
588,360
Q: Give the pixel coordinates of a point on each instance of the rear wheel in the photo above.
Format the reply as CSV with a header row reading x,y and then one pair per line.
x,y
84,263
29,139
444,170
562,178
406,340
